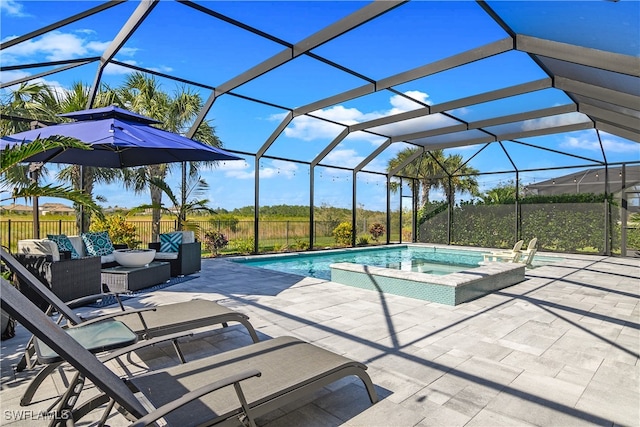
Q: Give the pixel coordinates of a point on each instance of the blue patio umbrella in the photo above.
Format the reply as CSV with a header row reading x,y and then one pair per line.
x,y
119,139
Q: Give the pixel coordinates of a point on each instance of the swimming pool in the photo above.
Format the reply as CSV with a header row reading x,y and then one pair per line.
x,y
428,260
443,275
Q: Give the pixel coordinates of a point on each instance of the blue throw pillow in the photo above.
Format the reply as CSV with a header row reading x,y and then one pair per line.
x,y
98,243
64,244
169,242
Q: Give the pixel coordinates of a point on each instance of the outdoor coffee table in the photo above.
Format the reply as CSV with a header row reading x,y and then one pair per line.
x,y
125,279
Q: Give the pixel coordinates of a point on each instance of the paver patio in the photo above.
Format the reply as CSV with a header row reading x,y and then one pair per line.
x,y
560,348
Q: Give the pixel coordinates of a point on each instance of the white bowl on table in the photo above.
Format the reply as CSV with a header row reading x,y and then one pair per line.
x,y
134,257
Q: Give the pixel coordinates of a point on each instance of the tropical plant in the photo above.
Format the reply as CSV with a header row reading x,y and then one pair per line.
x,y
214,241
196,188
499,195
11,158
363,241
143,94
43,103
244,246
434,170
376,230
343,233
120,231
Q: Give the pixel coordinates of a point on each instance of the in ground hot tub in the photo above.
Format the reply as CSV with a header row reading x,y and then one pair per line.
x,y
450,289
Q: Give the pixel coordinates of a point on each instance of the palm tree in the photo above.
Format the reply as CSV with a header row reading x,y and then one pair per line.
x,y
143,95
433,170
425,169
44,103
195,190
499,195
462,178
14,155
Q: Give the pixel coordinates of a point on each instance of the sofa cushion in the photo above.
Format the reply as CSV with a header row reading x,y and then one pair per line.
x,y
165,255
109,258
169,242
64,244
97,243
78,244
39,247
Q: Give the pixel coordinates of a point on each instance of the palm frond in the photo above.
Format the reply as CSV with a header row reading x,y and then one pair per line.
x,y
18,153
58,191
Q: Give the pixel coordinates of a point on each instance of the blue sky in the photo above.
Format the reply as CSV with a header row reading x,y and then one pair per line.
x,y
177,40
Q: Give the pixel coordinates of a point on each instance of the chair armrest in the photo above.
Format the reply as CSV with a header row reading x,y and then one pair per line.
x,y
196,394
190,250
117,314
154,245
82,301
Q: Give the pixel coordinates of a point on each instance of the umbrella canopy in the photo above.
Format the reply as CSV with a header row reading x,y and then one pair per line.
x,y
119,139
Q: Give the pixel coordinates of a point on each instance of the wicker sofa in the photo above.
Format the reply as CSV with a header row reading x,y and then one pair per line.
x,y
68,278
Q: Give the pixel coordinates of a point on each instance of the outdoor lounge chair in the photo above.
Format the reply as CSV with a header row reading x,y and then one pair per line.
x,y
265,376
146,322
506,256
527,255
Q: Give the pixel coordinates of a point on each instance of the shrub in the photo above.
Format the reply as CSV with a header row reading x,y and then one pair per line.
x,y
343,233
363,241
118,229
376,230
214,241
244,246
302,245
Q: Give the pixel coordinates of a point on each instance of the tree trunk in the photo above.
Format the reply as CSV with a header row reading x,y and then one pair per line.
x,y
156,200
83,218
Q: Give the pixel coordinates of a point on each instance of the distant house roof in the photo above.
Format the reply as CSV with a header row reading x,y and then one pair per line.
x,y
56,208
587,181
16,208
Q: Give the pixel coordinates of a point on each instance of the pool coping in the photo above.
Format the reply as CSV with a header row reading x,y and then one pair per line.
x,y
450,289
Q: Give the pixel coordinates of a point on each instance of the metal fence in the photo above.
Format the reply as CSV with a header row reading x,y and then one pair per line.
x,y
273,235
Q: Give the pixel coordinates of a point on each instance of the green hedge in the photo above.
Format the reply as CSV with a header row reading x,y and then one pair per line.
x,y
567,223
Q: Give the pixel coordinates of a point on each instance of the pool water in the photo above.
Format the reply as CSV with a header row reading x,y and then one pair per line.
x,y
431,260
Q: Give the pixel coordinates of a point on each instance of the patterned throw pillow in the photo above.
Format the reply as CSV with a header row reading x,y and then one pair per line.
x,y
98,243
64,244
169,242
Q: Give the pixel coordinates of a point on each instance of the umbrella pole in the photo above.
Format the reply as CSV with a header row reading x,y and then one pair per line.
x,y
82,230
183,215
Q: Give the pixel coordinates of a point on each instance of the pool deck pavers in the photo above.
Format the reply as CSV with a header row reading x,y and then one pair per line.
x,y
559,349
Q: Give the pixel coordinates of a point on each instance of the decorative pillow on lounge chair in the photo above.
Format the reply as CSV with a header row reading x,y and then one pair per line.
x,y
169,242
64,244
98,243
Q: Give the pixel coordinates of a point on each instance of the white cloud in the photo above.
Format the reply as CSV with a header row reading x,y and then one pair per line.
x,y
58,45
54,46
307,128
114,69
12,8
345,157
9,76
276,168
554,121
279,168
590,142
